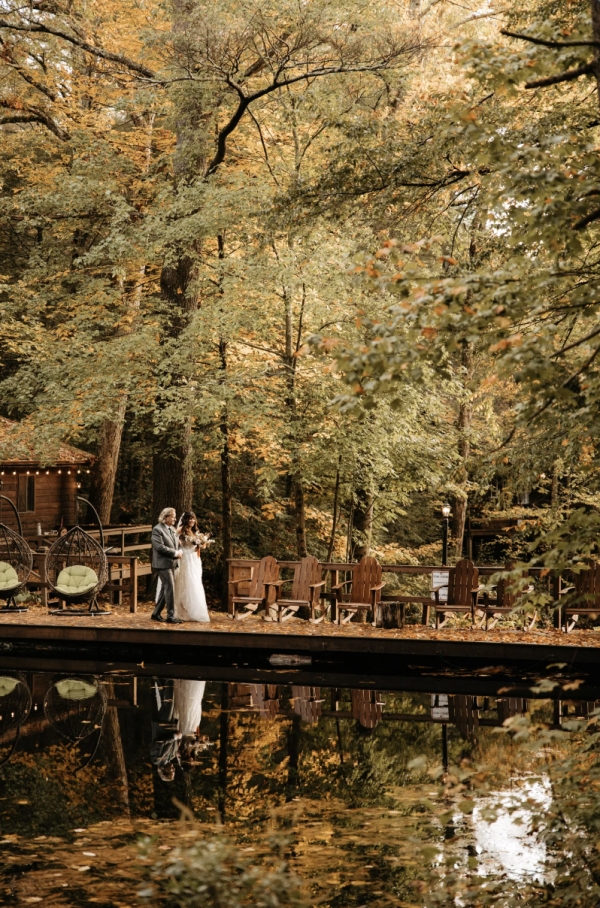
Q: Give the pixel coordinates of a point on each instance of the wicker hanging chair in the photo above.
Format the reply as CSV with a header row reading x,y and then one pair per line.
x,y
76,570
16,561
75,707
15,705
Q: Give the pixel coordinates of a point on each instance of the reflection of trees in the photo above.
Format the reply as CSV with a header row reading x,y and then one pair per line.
x,y
113,749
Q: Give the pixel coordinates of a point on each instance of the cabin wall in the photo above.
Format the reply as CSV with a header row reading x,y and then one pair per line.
x,y
55,499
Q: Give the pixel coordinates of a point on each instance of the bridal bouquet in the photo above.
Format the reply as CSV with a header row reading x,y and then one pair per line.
x,y
203,540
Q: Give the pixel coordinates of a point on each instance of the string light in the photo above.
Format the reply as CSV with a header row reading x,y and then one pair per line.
x,y
60,471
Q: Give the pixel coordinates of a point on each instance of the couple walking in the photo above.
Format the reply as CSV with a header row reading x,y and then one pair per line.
x,y
176,560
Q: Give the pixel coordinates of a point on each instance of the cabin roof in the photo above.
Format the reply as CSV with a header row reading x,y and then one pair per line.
x,y
20,446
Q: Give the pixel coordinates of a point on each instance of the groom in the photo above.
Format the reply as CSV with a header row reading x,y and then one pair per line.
x,y
165,560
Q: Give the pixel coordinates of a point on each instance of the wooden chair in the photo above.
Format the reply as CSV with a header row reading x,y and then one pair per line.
x,y
504,603
306,587
365,594
367,707
262,578
265,698
463,711
463,586
308,703
587,596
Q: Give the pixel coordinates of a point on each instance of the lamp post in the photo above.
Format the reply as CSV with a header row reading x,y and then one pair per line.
x,y
445,526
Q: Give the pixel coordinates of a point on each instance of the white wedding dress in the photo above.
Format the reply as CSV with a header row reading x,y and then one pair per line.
x,y
187,704
190,599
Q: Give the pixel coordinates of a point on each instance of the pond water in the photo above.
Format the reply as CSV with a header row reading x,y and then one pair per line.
x,y
93,763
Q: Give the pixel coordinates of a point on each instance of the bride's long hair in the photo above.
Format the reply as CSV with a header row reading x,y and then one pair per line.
x,y
184,524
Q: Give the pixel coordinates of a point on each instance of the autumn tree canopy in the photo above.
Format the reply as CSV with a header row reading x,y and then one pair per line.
x,y
311,269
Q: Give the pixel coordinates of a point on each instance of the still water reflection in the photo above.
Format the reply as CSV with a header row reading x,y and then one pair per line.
x,y
88,762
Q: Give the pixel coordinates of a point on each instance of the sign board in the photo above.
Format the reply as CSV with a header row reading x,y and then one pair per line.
x,y
439,707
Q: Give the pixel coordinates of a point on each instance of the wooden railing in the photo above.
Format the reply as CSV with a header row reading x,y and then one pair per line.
x,y
121,533
241,569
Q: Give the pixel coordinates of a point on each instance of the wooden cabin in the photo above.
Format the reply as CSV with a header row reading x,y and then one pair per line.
x,y
44,493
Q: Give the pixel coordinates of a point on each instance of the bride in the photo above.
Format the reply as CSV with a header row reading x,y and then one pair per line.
x,y
190,599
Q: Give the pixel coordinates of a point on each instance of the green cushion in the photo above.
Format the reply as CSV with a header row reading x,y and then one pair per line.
x,y
9,579
7,685
75,689
76,580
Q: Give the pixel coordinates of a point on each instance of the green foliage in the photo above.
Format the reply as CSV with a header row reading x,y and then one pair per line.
x,y
211,872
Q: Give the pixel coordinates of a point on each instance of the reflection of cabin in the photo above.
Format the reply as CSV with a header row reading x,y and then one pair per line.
x,y
44,493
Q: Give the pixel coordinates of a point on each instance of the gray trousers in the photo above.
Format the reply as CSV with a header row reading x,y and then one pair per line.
x,y
167,592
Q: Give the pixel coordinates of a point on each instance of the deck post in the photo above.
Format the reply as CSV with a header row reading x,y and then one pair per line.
x,y
133,585
556,587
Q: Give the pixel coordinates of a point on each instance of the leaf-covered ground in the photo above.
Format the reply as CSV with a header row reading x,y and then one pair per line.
x,y
120,617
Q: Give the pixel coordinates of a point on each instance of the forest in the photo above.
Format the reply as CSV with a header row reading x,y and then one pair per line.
x,y
309,268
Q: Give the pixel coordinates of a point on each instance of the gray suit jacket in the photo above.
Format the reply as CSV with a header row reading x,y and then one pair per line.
x,y
165,545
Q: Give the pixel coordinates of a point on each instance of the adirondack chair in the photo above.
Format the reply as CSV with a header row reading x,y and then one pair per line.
x,y
587,592
265,698
365,593
463,586
463,712
306,587
367,707
504,602
308,703
511,706
263,576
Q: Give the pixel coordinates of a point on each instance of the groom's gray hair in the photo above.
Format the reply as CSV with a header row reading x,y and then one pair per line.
x,y
165,513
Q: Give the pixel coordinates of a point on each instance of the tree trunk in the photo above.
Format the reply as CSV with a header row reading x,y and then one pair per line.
x,y
554,491
113,749
226,495
105,468
293,737
104,473
336,501
300,513
465,417
173,479
223,745
349,529
363,523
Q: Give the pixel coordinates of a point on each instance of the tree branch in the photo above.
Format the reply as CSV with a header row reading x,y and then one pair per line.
x,y
544,43
246,100
37,27
588,219
568,76
35,115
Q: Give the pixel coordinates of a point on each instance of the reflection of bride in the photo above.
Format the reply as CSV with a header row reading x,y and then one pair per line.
x,y
190,599
187,704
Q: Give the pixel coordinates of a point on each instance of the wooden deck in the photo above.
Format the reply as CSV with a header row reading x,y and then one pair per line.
x,y
451,660
298,636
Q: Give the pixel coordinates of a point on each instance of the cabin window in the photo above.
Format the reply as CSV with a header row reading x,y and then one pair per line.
x,y
26,496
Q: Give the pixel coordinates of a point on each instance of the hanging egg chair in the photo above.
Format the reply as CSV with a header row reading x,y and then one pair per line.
x,y
75,707
77,570
16,561
15,705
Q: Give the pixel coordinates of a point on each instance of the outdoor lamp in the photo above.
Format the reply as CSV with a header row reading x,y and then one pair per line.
x,y
446,514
